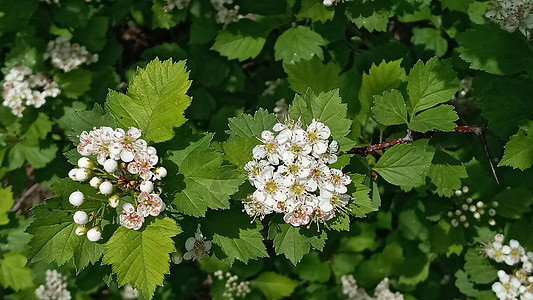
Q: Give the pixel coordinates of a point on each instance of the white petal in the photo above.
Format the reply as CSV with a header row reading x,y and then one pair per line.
x,y
189,244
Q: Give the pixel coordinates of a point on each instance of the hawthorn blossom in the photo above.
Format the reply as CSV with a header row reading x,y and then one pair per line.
x,y
512,15
291,175
66,56
55,287
196,247
130,217
150,205
507,288
513,252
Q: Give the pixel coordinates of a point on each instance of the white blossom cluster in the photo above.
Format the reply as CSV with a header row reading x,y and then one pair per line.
x,y
512,15
179,4
196,246
291,174
125,164
381,292
467,211
225,15
329,2
55,287
234,287
520,282
23,88
66,56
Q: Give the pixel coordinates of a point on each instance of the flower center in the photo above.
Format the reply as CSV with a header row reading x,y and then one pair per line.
x,y
312,137
297,188
271,147
515,252
271,186
507,286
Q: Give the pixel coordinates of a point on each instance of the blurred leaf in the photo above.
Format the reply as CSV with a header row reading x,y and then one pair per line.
x,y
274,286
298,43
519,149
13,271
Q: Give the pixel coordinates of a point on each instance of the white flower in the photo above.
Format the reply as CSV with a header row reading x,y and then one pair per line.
x,y
150,204
95,182
55,287
513,252
269,149
76,198
67,57
317,135
130,218
512,15
196,247
507,287
160,172
113,201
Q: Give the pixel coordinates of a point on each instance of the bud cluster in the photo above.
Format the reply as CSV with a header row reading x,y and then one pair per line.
x,y
66,56
125,165
381,292
512,15
519,282
234,287
55,287
225,15
468,211
23,88
291,174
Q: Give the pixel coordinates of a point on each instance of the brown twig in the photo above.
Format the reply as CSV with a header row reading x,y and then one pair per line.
x,y
413,136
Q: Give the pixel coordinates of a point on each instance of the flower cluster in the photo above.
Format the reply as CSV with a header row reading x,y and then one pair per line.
x,y
129,293
125,165
225,15
196,246
179,4
329,2
512,15
466,211
520,281
234,288
55,288
291,174
381,292
66,56
23,88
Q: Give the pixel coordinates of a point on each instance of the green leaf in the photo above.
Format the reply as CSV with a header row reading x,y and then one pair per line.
x,y
476,11
326,107
141,257
246,126
466,287
380,265
93,36
479,268
380,78
493,50
389,108
432,83
362,204
430,39
274,286
513,202
377,21
242,40
294,242
209,184
446,173
74,83
13,271
441,118
313,74
519,150
406,164
162,19
5,204
298,43
238,239
21,54
54,238
156,100
313,269
316,11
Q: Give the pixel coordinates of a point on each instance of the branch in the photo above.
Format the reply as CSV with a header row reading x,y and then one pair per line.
x,y
413,136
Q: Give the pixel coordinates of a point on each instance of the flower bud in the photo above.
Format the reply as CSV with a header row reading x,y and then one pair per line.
x,y
113,201
176,257
81,230
161,172
106,188
94,234
147,186
82,174
85,162
76,198
95,182
80,217
72,174
110,165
